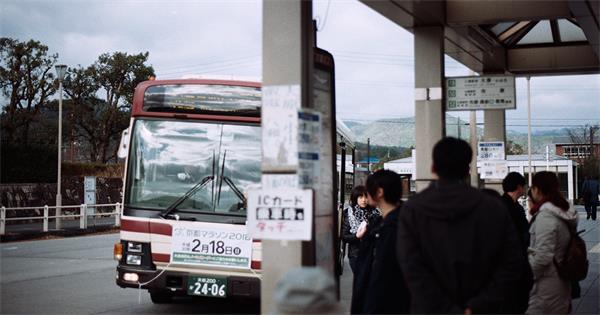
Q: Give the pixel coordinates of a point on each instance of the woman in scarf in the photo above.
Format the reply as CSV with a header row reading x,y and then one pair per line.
x,y
354,215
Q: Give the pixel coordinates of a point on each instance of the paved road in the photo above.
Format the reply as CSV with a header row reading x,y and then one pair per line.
x,y
77,276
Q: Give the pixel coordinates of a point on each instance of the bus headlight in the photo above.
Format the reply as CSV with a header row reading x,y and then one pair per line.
x,y
134,260
131,277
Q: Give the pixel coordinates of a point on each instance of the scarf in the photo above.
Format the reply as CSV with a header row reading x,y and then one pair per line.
x,y
355,217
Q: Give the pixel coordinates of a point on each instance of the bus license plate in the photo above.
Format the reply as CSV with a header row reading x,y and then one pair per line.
x,y
207,286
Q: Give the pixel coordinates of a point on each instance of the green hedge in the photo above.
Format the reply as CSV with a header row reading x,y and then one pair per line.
x,y
92,169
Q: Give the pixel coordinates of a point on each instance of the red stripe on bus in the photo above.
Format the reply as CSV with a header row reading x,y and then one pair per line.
x,y
146,227
135,226
161,228
161,257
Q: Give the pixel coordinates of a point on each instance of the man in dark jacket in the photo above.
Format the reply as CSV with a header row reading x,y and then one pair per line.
x,y
590,191
457,246
379,286
513,186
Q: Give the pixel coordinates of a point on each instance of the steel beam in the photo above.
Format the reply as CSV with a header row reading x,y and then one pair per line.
x,y
572,59
466,12
587,14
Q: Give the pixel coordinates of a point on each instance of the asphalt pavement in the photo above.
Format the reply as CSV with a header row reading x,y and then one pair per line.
x,y
77,276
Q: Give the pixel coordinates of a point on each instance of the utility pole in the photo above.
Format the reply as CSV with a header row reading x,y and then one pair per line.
x,y
473,140
530,171
368,155
61,70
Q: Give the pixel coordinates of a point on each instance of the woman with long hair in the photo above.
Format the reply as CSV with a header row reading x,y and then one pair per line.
x,y
353,217
552,217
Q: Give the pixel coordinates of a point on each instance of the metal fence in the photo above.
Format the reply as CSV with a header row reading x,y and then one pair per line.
x,y
61,214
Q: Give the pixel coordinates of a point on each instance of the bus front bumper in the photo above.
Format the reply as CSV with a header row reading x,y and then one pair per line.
x,y
177,282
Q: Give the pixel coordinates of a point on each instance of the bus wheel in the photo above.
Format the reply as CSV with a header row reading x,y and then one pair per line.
x,y
161,297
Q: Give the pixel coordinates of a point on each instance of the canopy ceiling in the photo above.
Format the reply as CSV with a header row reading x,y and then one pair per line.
x,y
519,37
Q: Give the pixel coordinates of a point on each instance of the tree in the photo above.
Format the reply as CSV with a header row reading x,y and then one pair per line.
x,y
514,148
586,137
26,80
99,122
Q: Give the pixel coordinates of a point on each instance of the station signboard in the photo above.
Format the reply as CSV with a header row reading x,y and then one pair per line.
x,y
480,92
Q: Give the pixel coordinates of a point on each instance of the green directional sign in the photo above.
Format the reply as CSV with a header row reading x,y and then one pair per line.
x,y
480,93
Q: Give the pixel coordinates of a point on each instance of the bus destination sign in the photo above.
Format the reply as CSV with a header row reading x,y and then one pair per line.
x,y
480,92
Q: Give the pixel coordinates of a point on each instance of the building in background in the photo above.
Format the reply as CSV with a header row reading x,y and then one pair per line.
x,y
565,169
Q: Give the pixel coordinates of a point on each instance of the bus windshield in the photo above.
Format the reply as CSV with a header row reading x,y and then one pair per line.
x,y
168,158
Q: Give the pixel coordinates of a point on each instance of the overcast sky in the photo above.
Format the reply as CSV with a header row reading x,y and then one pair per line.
x,y
374,57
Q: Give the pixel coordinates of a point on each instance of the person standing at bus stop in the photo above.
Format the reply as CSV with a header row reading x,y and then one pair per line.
x,y
457,246
513,186
552,217
379,286
353,217
590,191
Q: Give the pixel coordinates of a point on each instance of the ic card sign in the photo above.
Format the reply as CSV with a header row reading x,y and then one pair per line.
x,y
280,214
211,244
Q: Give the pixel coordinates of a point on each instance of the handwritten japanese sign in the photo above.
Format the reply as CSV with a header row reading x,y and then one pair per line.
x,y
280,105
280,214
494,169
211,244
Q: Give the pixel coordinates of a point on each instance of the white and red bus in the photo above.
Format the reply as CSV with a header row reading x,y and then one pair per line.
x,y
192,149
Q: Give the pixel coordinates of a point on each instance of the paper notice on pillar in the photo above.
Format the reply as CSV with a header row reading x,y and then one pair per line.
x,y
280,106
279,181
491,151
494,169
309,139
280,214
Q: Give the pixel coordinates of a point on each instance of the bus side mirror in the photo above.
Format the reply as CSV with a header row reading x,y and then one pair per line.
x,y
124,144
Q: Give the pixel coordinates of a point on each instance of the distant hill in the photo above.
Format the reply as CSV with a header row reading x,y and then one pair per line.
x,y
400,132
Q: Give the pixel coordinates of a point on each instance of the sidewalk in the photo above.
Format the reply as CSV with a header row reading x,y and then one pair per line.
x,y
27,231
589,303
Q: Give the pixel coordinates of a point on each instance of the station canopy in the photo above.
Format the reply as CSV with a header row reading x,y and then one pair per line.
x,y
519,37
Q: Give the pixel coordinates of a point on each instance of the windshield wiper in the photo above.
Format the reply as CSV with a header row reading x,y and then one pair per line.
x,y
236,190
229,183
165,214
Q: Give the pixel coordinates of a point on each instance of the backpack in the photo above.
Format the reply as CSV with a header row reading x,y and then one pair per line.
x,y
575,264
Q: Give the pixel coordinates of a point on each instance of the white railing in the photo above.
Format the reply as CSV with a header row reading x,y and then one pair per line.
x,y
82,214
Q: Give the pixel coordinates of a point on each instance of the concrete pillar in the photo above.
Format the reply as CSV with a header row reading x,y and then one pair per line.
x,y
429,108
494,129
570,185
287,60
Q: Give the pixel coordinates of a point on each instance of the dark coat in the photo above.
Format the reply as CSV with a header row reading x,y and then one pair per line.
x,y
379,287
458,249
349,237
590,191
520,298
517,214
